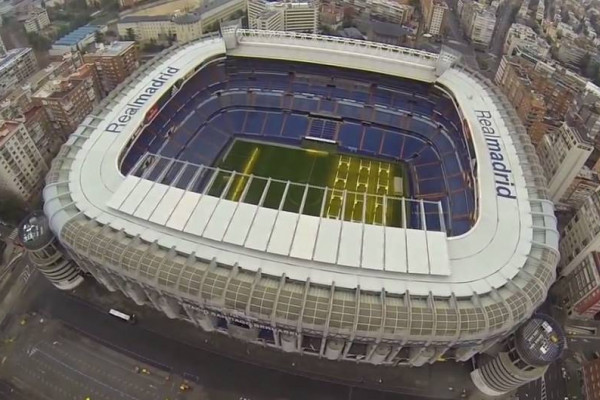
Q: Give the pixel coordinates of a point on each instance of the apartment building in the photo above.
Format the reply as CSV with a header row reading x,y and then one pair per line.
x,y
271,20
539,13
68,100
36,20
434,16
295,16
478,21
562,155
580,290
591,380
583,185
542,93
482,27
22,167
522,38
182,27
438,18
113,63
390,11
16,65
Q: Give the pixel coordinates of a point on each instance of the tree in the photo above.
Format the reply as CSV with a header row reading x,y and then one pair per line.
x,y
38,42
130,34
12,208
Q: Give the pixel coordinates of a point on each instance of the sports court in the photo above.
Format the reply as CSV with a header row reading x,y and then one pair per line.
x,y
321,183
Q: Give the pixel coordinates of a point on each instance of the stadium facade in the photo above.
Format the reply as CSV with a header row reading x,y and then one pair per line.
x,y
131,198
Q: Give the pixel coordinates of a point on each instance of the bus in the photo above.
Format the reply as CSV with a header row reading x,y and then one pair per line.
x,y
121,315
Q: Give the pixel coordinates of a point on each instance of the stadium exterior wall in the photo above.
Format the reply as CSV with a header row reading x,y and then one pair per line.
x,y
302,316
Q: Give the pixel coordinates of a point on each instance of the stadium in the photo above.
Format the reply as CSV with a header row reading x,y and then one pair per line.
x,y
334,197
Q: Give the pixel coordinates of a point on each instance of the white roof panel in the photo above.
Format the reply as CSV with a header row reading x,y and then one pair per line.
x,y
305,237
328,240
350,249
220,220
201,215
136,196
437,245
260,233
154,196
240,224
167,205
418,260
182,212
283,233
123,192
373,250
395,250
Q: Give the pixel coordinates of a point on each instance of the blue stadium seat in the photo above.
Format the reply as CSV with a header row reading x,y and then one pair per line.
x,y
273,124
350,136
296,126
372,140
392,144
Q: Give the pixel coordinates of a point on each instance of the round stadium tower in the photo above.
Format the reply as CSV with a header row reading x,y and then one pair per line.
x,y
45,253
533,347
340,198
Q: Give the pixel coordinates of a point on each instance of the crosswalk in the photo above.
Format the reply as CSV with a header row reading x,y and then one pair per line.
x,y
543,389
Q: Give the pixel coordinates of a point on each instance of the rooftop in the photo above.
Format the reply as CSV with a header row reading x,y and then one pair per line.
x,y
7,129
12,56
113,49
77,35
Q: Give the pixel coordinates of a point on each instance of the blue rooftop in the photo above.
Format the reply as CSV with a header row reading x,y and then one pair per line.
x,y
72,38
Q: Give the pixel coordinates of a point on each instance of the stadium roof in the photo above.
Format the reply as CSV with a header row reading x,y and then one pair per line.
x,y
76,36
513,242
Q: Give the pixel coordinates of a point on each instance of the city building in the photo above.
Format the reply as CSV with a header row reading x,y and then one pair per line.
x,y
22,167
180,26
271,20
390,11
583,185
579,291
68,100
76,40
539,13
331,14
436,284
36,20
387,32
581,235
434,16
44,252
569,52
16,65
562,155
128,3
523,10
523,39
591,380
478,21
113,62
530,350
145,28
294,16
482,27
533,85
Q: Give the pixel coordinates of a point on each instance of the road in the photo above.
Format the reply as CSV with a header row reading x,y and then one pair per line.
x,y
221,377
52,362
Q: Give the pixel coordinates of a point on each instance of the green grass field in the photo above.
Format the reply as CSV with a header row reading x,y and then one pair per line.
x,y
355,185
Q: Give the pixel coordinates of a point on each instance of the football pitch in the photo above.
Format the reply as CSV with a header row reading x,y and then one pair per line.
x,y
337,186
